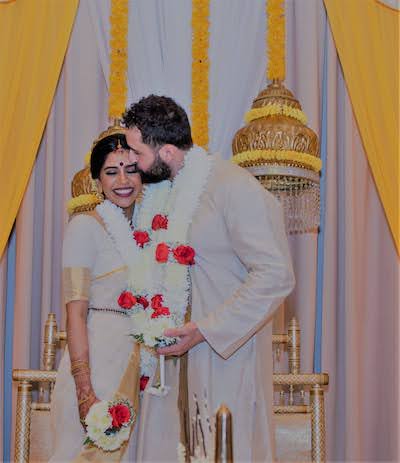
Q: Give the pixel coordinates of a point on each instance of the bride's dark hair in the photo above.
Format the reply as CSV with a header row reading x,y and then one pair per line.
x,y
102,149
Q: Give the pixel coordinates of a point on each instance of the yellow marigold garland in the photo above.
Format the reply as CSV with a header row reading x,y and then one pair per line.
x,y
87,158
74,204
118,58
200,68
274,109
288,156
276,39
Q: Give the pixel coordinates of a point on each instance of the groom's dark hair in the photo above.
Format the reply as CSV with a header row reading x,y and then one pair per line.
x,y
160,121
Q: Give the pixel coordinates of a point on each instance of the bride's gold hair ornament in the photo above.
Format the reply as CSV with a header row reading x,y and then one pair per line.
x,y
85,192
115,129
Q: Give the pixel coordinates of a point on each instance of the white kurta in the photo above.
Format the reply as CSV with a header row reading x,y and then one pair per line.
x,y
242,273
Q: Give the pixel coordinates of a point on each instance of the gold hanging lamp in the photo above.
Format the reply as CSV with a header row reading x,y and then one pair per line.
x,y
85,196
276,145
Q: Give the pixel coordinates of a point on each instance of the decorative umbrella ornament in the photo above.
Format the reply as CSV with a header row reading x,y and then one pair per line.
x,y
276,145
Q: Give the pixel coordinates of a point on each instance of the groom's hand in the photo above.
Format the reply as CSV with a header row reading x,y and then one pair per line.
x,y
189,336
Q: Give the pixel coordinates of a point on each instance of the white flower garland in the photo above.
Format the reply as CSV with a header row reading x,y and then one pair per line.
x,y
177,201
171,279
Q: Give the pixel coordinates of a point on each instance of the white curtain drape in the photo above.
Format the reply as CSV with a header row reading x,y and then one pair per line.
x,y
359,295
237,66
159,47
160,56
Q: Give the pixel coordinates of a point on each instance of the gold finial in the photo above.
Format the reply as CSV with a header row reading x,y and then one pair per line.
x,y
223,443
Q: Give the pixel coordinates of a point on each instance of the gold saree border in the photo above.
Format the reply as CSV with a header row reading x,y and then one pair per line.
x,y
76,282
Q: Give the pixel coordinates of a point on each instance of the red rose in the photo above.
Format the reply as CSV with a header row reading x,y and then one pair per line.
x,y
156,301
142,300
126,300
159,221
160,312
184,255
162,252
143,382
120,415
141,237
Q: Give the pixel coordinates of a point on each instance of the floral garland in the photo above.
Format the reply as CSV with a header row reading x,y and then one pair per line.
x,y
157,254
276,39
274,109
118,58
304,159
87,200
200,70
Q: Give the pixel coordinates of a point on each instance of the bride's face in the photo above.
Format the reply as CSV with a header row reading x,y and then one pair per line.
x,y
119,179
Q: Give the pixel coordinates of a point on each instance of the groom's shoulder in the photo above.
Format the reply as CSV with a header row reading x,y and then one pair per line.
x,y
228,174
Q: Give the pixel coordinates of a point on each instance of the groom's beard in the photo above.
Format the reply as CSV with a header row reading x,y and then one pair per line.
x,y
158,171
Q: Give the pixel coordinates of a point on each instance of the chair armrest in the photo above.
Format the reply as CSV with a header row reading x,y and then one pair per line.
x,y
301,379
34,376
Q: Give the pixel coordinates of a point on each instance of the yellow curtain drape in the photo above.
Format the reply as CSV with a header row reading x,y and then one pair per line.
x,y
366,34
34,37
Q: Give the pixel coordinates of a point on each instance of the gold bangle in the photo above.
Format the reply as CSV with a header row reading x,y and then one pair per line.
x,y
77,364
82,368
85,399
77,378
82,374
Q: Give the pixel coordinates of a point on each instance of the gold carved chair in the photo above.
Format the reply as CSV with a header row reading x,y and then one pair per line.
x,y
32,425
300,427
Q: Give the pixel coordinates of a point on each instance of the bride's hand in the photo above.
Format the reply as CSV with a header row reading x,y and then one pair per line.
x,y
84,407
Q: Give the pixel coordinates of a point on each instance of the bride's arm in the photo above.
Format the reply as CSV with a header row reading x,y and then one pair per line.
x,y
78,346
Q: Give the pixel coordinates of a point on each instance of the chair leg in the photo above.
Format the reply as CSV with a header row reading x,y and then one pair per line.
x,y
23,422
318,453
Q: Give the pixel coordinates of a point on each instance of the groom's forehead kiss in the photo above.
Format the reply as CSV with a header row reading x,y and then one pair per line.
x,y
136,144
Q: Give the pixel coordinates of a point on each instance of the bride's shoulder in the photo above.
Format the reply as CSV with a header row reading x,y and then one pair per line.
x,y
87,217
85,221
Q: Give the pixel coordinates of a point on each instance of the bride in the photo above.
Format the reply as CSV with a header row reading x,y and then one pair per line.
x,y
94,274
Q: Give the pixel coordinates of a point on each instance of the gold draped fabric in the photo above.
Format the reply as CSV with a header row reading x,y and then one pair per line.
x,y
129,388
366,33
76,281
34,37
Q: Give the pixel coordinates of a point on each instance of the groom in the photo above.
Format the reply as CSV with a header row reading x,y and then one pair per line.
x,y
241,273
